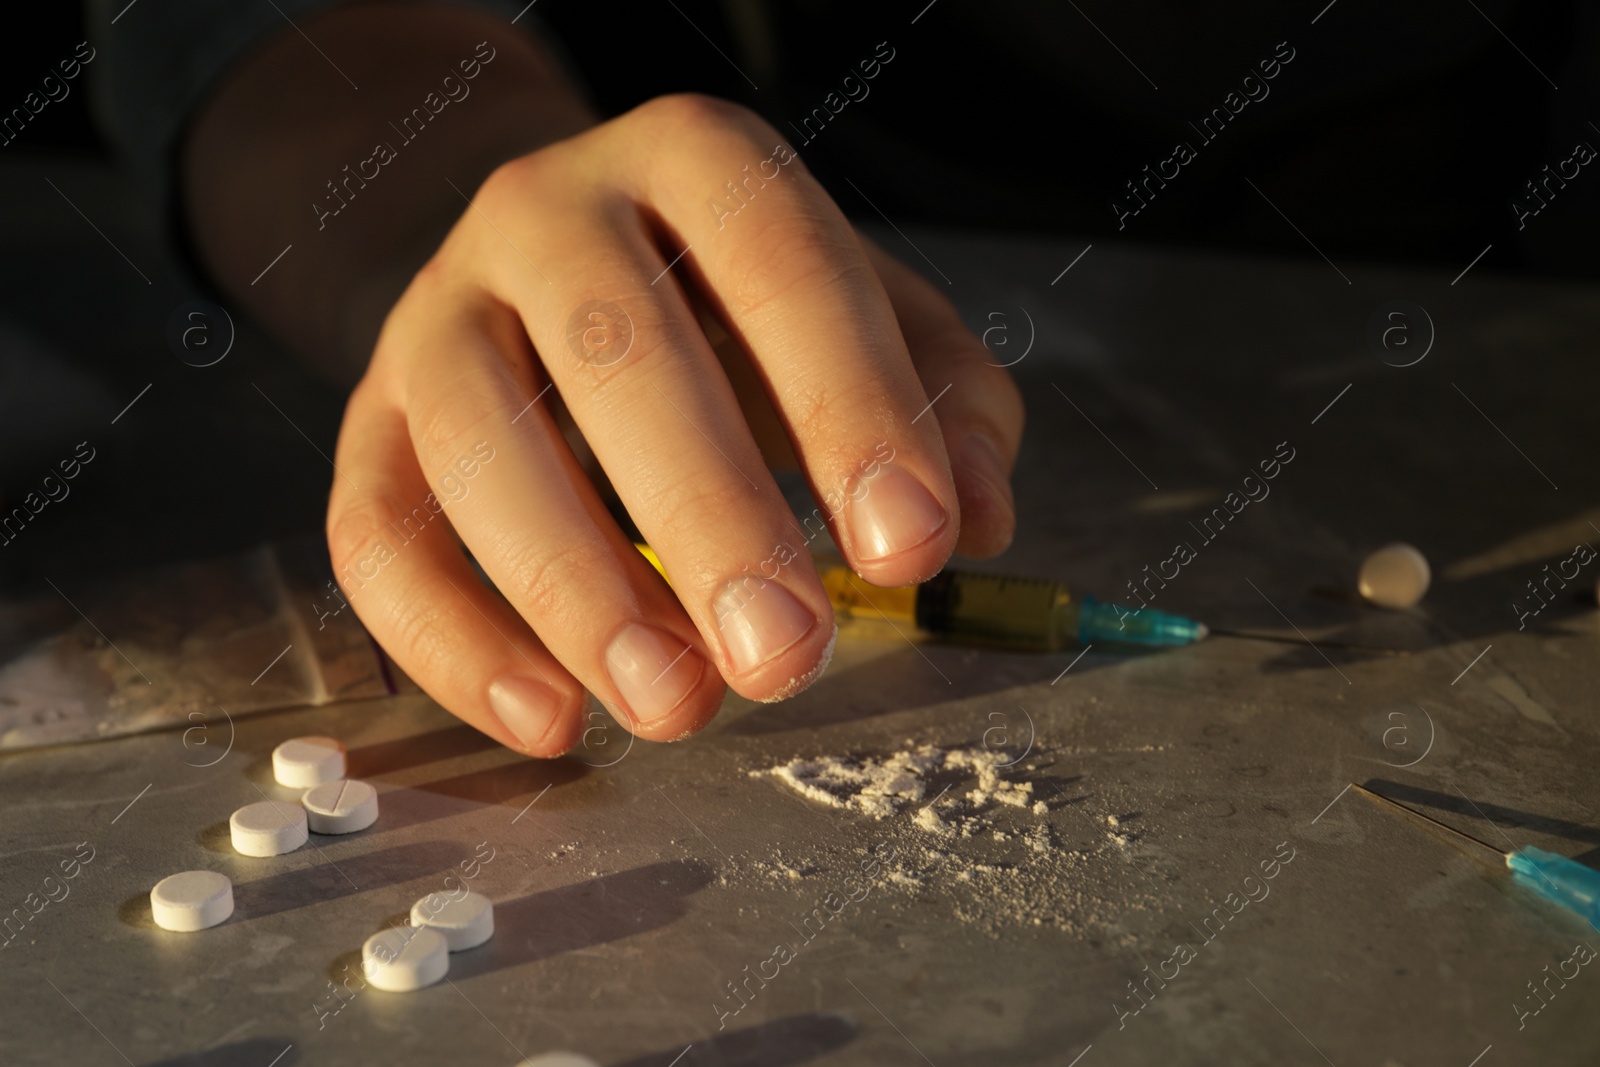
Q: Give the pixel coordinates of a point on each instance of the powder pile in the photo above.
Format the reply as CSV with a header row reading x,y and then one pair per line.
x,y
972,835
881,787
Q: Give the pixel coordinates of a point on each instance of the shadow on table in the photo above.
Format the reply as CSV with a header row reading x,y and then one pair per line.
x,y
1371,633
574,917
1496,815
322,880
250,1050
328,880
476,789
906,679
1349,631
779,1043
370,761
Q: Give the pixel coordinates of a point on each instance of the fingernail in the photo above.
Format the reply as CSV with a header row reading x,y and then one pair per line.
x,y
653,671
759,620
896,514
527,708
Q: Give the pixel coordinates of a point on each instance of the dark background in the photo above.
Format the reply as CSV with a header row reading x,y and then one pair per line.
x,y
1399,132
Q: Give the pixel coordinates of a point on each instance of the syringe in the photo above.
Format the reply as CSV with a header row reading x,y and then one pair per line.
x,y
1024,614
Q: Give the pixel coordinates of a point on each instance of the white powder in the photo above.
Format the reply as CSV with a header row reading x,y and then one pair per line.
x,y
928,820
971,837
881,787
987,763
873,787
800,684
1017,796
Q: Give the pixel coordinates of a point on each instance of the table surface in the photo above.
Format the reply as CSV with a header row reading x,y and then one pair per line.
x,y
633,884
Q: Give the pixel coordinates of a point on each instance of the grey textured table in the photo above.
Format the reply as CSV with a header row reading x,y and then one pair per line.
x,y
629,896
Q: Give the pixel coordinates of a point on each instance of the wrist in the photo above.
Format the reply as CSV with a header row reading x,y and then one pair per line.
x,y
360,185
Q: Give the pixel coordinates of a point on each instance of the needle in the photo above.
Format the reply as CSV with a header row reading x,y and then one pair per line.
x,y
1249,635
1554,877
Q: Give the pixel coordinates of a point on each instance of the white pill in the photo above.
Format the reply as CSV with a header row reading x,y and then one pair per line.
x,y
558,1059
303,762
466,921
269,828
403,958
341,807
193,900
1395,576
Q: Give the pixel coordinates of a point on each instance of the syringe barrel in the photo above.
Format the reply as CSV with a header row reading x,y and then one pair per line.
x,y
993,610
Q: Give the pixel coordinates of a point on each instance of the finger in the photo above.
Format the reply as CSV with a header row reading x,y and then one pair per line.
x,y
403,571
536,524
794,286
981,412
657,409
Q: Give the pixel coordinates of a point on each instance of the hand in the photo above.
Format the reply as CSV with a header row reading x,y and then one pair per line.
x,y
557,275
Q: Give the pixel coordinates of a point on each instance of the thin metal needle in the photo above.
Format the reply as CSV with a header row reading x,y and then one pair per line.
x,y
1251,635
1429,824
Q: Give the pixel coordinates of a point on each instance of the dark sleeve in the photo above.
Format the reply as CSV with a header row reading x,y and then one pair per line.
x,y
155,61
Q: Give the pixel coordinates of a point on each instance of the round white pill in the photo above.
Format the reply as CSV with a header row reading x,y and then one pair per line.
x,y
303,762
558,1059
193,900
268,828
403,958
466,920
341,807
1395,576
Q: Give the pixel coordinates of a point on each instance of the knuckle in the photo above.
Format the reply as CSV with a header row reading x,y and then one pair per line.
x,y
509,182
838,436
430,287
547,180
801,252
433,638
518,199
653,332
358,523
418,641
552,582
699,113
428,278
699,500
814,412
445,423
